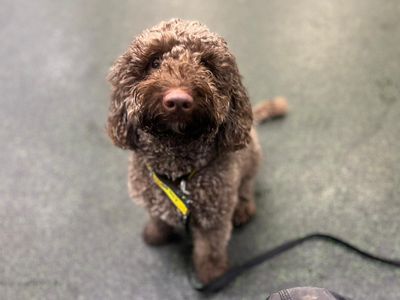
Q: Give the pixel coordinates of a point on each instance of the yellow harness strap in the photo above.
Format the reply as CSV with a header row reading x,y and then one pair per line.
x,y
180,202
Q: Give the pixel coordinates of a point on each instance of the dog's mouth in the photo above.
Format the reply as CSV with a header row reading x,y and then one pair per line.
x,y
164,126
177,123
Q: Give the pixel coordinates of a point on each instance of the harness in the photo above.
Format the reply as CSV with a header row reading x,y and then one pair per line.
x,y
178,195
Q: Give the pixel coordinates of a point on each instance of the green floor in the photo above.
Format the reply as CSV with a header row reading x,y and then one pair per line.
x,y
67,227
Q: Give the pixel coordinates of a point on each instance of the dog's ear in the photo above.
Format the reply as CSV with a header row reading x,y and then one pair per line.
x,y
120,128
234,133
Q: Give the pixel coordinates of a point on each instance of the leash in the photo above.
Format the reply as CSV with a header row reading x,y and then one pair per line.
x,y
234,272
180,198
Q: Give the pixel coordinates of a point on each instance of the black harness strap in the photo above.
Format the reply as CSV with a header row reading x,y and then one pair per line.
x,y
234,272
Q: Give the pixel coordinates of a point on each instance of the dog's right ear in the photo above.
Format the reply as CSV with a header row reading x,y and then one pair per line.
x,y
120,128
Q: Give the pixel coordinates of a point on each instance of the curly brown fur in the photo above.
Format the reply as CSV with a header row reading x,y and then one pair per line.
x,y
214,138
276,108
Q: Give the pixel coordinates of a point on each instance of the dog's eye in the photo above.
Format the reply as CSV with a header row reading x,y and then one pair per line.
x,y
208,65
155,63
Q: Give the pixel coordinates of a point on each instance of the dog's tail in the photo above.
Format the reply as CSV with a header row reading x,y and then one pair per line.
x,y
269,109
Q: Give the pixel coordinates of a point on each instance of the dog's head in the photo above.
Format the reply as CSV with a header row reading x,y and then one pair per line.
x,y
178,81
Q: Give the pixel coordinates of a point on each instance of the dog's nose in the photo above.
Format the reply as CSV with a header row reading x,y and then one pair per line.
x,y
177,100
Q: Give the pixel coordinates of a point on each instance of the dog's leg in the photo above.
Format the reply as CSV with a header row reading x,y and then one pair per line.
x,y
157,232
210,255
246,207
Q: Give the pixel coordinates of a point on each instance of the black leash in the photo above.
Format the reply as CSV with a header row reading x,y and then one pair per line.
x,y
180,198
234,272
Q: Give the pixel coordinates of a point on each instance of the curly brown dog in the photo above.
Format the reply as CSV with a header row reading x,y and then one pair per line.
x,y
178,103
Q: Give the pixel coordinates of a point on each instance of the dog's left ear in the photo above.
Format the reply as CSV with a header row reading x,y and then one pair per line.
x,y
234,133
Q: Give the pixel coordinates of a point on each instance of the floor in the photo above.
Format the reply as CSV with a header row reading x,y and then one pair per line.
x,y
67,227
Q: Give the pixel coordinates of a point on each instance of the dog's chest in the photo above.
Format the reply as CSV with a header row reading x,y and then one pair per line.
x,y
206,192
145,190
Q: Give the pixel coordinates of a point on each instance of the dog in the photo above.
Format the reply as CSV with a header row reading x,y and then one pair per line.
x,y
179,105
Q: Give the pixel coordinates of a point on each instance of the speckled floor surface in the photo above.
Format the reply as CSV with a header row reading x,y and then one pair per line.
x,y
67,227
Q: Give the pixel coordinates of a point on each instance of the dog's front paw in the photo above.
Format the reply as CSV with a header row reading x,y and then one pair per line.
x,y
157,233
208,271
243,213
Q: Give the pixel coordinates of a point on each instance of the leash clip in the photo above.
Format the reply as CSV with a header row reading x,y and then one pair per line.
x,y
182,186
